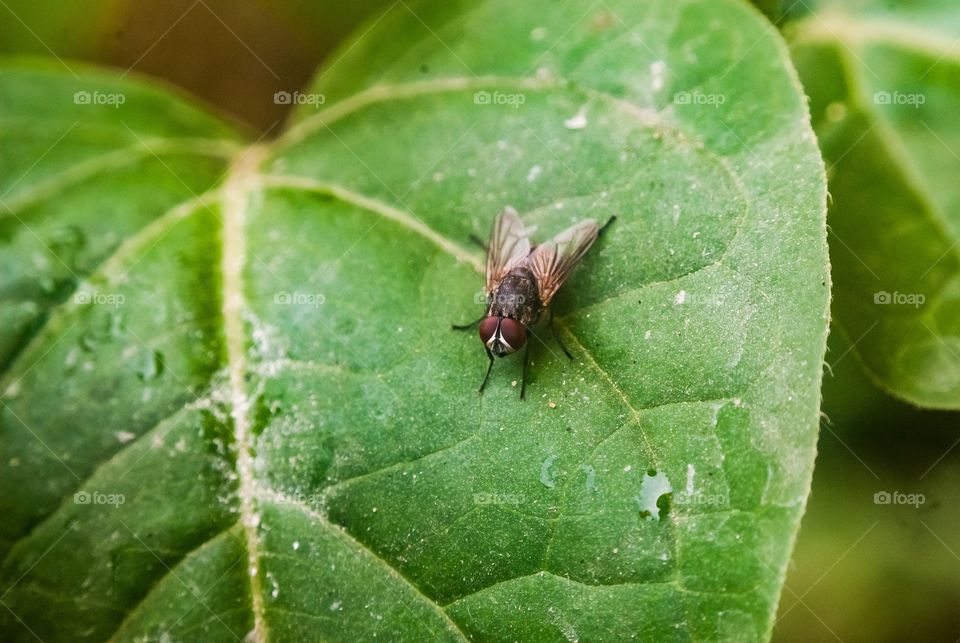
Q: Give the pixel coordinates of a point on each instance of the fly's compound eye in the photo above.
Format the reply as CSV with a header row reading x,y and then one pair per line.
x,y
488,328
512,333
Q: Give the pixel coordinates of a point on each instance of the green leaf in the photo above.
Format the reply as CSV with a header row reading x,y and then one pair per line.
x,y
883,103
239,408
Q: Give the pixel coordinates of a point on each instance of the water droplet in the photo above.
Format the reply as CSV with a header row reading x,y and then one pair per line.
x,y
115,325
66,243
152,366
49,286
13,390
577,121
71,359
89,340
657,70
591,481
836,111
275,587
546,476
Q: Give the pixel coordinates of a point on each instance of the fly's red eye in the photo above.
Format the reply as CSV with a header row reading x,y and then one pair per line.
x,y
488,327
513,332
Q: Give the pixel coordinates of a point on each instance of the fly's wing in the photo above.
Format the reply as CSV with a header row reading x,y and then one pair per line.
x,y
552,262
509,245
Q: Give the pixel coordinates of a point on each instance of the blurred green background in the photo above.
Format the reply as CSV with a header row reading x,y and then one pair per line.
x,y
861,571
234,55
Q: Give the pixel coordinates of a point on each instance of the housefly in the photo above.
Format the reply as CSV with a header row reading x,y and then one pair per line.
x,y
522,279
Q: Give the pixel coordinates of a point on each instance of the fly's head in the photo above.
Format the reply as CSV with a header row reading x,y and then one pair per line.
x,y
502,335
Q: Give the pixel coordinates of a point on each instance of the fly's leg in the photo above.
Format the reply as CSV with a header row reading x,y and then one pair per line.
x,y
469,326
523,376
556,337
606,225
489,368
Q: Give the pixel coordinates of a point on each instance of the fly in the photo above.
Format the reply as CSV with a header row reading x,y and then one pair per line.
x,y
522,279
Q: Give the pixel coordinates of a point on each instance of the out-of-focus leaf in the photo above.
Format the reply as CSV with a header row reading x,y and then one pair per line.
x,y
884,100
75,28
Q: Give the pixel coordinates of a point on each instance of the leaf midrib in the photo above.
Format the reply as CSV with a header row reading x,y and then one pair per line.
x,y
235,195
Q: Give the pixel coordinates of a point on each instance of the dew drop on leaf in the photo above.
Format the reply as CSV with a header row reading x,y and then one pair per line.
x,y
546,475
577,121
152,366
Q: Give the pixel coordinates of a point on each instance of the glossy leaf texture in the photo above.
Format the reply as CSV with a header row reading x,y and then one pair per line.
x,y
884,98
240,411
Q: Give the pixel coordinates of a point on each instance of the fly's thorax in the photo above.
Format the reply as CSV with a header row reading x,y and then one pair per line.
x,y
516,297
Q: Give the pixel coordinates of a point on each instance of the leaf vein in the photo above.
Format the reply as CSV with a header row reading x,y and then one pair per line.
x,y
117,159
339,532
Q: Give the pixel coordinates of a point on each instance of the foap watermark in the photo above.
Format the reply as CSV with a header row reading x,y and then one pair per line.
x,y
95,298
698,498
699,98
899,98
884,298
514,100
493,498
99,98
295,298
503,299
899,498
98,498
299,98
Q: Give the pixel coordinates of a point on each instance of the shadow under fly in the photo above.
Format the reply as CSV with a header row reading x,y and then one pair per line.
x,y
522,279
